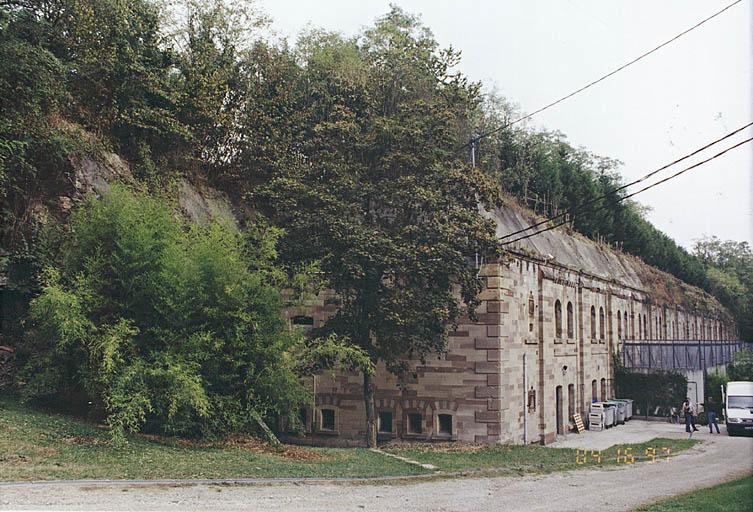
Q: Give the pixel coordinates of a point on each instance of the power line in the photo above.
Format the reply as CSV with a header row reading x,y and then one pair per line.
x,y
637,192
623,187
591,84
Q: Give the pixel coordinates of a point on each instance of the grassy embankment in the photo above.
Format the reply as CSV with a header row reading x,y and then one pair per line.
x,y
36,445
735,496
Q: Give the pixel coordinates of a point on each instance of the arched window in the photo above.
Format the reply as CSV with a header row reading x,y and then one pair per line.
x,y
645,328
601,323
624,316
593,323
619,325
570,326
558,318
531,311
603,390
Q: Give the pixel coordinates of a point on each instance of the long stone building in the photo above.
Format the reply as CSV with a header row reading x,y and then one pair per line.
x,y
554,309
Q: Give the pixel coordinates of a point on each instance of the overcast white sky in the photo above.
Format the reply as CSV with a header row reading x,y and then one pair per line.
x,y
534,51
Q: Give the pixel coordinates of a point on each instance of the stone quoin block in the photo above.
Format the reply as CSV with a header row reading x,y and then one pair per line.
x,y
493,330
487,392
488,416
487,343
486,367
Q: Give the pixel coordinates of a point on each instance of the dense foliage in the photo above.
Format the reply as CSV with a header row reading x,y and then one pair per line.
x,y
158,325
654,390
729,267
368,184
714,383
544,172
741,367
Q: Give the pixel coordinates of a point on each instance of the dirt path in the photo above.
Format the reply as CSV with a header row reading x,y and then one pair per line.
x,y
718,459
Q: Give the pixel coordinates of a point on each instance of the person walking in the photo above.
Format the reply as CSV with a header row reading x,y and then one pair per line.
x,y
712,411
688,416
693,415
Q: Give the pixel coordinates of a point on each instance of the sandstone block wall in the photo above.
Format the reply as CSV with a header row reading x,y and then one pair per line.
x,y
541,349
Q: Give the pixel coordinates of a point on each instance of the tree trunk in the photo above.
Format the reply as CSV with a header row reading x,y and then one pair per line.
x,y
368,398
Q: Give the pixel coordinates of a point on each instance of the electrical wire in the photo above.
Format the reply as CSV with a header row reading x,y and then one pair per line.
x,y
600,79
675,175
623,187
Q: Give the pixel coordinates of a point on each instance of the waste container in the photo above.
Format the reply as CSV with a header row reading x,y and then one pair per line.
x,y
619,411
609,414
596,420
606,411
628,407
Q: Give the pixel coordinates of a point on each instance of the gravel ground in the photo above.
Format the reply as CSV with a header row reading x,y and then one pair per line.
x,y
633,431
718,459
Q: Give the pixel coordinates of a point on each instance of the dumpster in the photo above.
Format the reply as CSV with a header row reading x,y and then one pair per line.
x,y
628,407
606,411
609,414
596,420
619,411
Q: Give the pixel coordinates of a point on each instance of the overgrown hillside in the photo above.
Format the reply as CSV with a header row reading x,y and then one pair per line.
x,y
348,143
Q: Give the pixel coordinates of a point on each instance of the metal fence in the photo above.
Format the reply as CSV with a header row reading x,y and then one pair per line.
x,y
678,354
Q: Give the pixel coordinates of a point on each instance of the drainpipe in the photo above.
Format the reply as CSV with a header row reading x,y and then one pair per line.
x,y
525,404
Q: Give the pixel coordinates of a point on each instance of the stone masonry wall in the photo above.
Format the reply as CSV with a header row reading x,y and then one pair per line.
x,y
541,349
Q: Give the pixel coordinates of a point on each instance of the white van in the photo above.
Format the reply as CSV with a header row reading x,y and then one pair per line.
x,y
738,404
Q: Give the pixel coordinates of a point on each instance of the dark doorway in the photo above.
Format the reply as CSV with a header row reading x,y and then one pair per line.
x,y
560,429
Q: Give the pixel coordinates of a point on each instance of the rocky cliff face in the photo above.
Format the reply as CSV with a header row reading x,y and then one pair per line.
x,y
201,203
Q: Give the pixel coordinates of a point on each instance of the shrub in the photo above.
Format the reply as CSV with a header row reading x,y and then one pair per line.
x,y
162,326
662,389
741,367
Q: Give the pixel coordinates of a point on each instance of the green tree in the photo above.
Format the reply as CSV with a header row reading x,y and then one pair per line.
x,y
729,269
163,326
741,367
371,187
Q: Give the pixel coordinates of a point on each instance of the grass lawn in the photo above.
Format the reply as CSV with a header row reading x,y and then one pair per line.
x,y
518,459
735,496
36,445
41,446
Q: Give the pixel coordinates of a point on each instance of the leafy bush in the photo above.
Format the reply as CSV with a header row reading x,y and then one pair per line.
x,y
741,367
162,326
714,382
662,389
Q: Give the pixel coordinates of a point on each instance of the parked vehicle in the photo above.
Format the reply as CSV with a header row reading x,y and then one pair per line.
x,y
738,406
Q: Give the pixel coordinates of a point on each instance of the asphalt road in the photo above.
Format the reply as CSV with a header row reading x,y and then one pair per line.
x,y
718,459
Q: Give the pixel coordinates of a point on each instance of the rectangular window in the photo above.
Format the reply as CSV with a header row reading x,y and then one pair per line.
x,y
303,320
414,423
385,422
328,419
445,424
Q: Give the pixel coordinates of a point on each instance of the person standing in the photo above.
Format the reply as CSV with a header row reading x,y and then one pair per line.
x,y
694,410
712,411
686,410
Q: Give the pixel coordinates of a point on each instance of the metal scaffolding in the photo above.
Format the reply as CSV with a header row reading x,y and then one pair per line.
x,y
678,354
